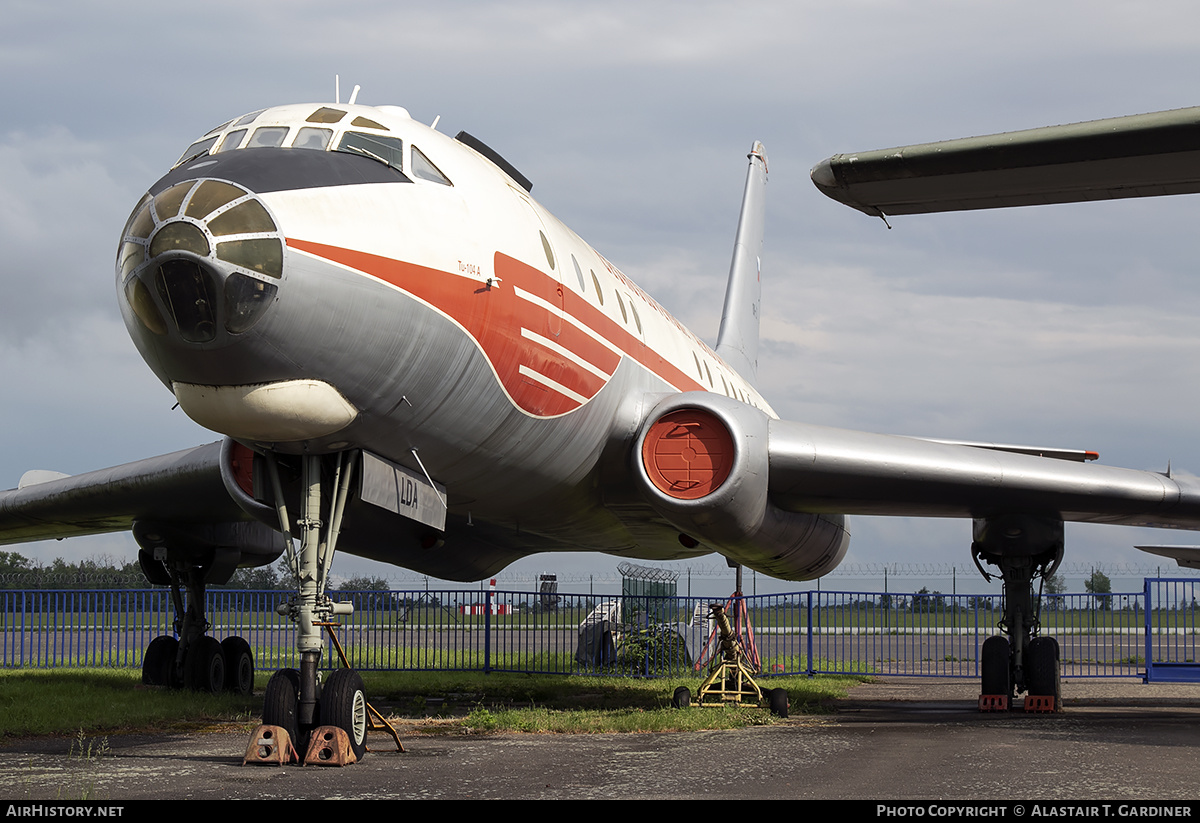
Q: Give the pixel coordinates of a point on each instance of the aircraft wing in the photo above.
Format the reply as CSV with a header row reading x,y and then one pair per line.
x,y
1140,155
816,469
1186,556
185,487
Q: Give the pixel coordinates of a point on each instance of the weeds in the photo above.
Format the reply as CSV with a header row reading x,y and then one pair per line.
x,y
481,720
84,756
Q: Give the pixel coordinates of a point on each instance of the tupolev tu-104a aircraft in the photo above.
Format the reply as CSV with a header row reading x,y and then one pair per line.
x,y
411,360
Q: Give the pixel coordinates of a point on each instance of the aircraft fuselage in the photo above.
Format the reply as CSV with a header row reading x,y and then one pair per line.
x,y
359,280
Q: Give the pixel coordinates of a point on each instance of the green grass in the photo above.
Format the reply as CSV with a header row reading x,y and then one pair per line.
x,y
78,702
566,704
92,701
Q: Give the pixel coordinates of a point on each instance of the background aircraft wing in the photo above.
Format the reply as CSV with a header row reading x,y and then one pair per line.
x,y
185,487
1140,155
1186,556
826,470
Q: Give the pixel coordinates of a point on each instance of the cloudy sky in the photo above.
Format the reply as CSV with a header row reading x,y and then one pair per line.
x,y
1070,326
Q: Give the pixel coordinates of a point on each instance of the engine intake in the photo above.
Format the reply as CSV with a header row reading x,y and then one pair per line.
x,y
702,462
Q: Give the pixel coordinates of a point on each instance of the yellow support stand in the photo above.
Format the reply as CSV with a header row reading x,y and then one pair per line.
x,y
730,681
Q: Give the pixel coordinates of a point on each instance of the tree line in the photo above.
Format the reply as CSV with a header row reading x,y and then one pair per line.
x,y
103,572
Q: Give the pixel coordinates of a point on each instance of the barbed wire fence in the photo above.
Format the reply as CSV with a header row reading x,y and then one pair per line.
x,y
910,573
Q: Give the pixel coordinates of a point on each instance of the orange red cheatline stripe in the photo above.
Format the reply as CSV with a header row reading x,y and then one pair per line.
x,y
523,352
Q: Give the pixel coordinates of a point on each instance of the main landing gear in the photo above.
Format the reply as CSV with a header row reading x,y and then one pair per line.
x,y
193,660
1026,550
296,700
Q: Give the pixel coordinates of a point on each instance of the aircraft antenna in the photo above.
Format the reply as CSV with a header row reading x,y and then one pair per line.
x,y
433,125
337,90
354,94
441,499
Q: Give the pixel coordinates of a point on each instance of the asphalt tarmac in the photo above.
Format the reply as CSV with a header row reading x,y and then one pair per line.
x,y
898,739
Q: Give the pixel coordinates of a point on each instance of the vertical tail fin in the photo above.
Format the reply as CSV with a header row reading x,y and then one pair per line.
x,y
737,341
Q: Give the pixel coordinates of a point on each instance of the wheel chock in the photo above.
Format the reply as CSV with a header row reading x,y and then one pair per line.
x,y
993,702
1040,703
270,744
329,746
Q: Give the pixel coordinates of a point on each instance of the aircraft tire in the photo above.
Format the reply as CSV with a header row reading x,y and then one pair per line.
x,y
239,666
281,704
777,699
204,666
682,698
158,662
344,704
1044,678
994,664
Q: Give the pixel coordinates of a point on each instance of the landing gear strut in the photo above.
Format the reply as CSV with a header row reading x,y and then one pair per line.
x,y
195,660
295,699
1026,550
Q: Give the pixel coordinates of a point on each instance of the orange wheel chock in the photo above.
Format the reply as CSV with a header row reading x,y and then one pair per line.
x,y
1040,703
329,746
993,702
270,744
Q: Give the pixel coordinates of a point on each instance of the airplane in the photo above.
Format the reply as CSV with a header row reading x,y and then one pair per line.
x,y
409,359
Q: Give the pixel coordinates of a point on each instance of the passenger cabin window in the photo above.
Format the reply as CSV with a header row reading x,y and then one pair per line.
x,y
546,248
596,283
579,274
387,150
424,169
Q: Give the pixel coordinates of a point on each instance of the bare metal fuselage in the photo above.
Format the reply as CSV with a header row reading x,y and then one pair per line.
x,y
471,335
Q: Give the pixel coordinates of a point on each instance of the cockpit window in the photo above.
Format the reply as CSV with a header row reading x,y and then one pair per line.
x,y
247,119
218,129
232,140
326,115
312,138
367,123
424,169
236,134
387,150
267,137
195,150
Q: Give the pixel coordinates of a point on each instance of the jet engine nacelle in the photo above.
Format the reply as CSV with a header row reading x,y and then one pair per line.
x,y
702,462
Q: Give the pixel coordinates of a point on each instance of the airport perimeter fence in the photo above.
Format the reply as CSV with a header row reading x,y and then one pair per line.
x,y
1152,633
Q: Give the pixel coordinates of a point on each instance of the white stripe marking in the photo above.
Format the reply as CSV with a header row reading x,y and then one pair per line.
x,y
537,377
574,321
562,351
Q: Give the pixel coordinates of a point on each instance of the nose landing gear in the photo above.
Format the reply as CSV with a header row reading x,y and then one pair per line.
x,y
296,700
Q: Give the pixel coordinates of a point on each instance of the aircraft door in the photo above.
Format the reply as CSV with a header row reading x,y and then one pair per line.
x,y
554,318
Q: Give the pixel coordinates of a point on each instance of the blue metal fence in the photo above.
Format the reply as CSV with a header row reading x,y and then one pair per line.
x,y
931,635
1171,629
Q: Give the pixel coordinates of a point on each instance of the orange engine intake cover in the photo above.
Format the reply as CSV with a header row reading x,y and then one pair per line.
x,y
688,453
